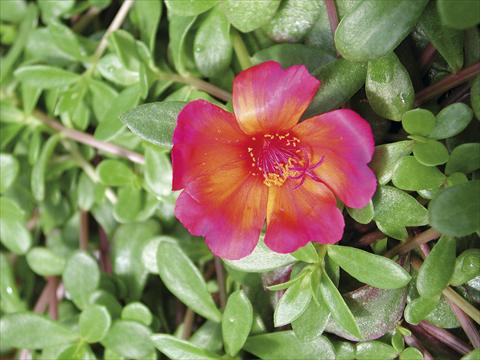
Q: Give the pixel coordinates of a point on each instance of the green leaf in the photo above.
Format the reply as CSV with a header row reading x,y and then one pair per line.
x,y
66,40
388,87
189,7
373,350
212,44
451,121
294,54
45,262
123,45
158,171
111,124
79,350
466,267
86,192
45,77
430,153
344,350
411,353
437,269
386,158
139,312
24,33
32,331
464,158
53,9
377,311
262,259
129,338
293,303
359,264
442,315
128,205
460,14
37,179
418,309
293,20
249,15
366,33
81,278
154,122
363,215
285,345
12,11
112,69
472,355
447,41
9,168
312,322
94,323
340,79
411,175
179,27
418,122
237,322
13,232
10,301
307,253
129,242
454,211
101,94
184,280
115,173
337,306
180,349
146,16
395,209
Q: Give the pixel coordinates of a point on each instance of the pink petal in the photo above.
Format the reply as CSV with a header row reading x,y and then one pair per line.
x,y
267,98
296,216
346,142
222,200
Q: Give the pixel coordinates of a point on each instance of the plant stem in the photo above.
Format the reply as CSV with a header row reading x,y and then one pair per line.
x,y
104,251
332,17
86,19
468,308
411,340
89,140
447,83
468,327
445,337
370,238
187,323
84,230
115,25
241,50
413,242
427,56
220,281
53,300
198,84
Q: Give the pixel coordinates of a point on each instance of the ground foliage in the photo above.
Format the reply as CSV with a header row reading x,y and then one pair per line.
x,y
93,263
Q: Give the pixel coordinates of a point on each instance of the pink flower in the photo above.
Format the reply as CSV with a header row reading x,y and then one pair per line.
x,y
238,170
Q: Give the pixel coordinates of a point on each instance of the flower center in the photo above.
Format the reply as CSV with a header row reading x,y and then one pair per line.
x,y
277,157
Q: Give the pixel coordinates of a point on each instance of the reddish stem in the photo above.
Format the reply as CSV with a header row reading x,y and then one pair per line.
x,y
370,238
53,299
427,56
447,83
445,337
220,281
83,230
467,325
411,340
413,242
332,15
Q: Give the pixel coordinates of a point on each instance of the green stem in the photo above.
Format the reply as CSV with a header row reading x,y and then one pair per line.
x,y
467,308
241,50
